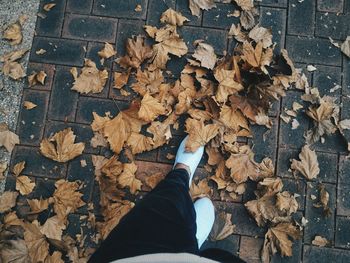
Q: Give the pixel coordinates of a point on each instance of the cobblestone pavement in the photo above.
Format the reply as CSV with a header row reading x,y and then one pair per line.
x,y
76,29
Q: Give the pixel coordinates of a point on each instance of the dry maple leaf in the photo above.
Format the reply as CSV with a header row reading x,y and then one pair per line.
x,y
11,67
150,108
49,6
52,228
323,200
287,203
227,84
205,54
8,139
199,134
24,185
107,52
13,33
233,119
245,4
139,143
172,17
36,78
91,79
38,205
222,227
121,79
36,242
66,198
196,6
278,238
269,187
308,164
201,189
148,81
14,251
29,105
261,34
247,18
7,201
320,241
257,57
127,178
61,146
56,257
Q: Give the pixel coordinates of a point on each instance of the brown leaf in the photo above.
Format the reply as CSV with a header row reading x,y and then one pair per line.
x,y
29,105
11,219
148,81
128,179
269,187
8,139
199,134
66,198
14,251
196,6
49,6
320,241
172,17
139,143
206,55
3,167
308,164
150,108
14,70
245,4
13,33
278,238
38,205
24,185
286,202
323,200
36,78
233,119
154,179
7,201
56,257
107,52
121,79
261,34
91,79
345,47
18,168
52,228
36,242
257,57
61,146
199,190
98,140
227,84
222,227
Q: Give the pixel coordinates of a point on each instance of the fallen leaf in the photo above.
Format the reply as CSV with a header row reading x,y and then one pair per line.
x,y
98,140
320,241
311,68
247,19
3,167
8,139
261,34
323,200
148,81
205,54
233,119
14,70
29,105
172,17
52,228
199,190
107,52
269,187
61,146
121,79
150,108
154,179
222,227
139,143
37,245
91,79
56,257
13,33
24,185
308,164
127,178
40,51
49,6
196,6
245,4
7,201
345,46
38,205
14,251
18,168
138,8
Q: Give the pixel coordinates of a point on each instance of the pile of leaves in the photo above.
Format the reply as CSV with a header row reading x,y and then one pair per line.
x,y
219,98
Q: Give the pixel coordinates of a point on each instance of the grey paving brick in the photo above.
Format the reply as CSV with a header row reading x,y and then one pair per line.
x,y
344,170
326,78
328,163
335,6
343,202
346,76
322,254
155,10
122,9
342,232
313,50
219,17
301,17
332,25
284,160
35,68
79,6
182,6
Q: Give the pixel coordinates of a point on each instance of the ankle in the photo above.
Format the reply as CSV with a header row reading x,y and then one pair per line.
x,y
183,166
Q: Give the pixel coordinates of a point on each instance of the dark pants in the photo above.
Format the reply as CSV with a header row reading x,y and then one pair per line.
x,y
163,222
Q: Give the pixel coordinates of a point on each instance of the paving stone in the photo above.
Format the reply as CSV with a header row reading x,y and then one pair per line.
x,y
92,53
95,199
273,3
83,133
345,109
334,143
170,148
335,6
313,50
288,137
215,37
347,7
127,29
51,24
37,164
297,249
78,226
344,170
342,232
229,244
249,249
123,9
304,9
296,186
79,6
182,7
319,224
316,254
346,76
328,163
63,101
275,19
90,28
332,25
44,188
156,9
326,78
284,161
58,51
37,67
264,141
87,106
30,126
343,201
231,45
219,17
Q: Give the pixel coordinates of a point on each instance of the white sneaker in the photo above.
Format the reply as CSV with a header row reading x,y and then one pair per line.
x,y
205,217
191,159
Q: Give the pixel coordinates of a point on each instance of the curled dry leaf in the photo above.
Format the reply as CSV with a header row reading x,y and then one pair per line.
x,y
323,200
11,67
14,251
261,34
121,79
61,146
172,17
222,227
8,139
196,6
206,55
127,178
24,185
107,52
345,47
138,8
201,189
13,33
308,164
40,51
320,241
37,78
49,6
3,167
29,105
91,79
154,179
7,201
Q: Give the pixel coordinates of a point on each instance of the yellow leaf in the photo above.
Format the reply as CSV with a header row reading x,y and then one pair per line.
x,y
196,6
150,108
308,164
128,179
24,185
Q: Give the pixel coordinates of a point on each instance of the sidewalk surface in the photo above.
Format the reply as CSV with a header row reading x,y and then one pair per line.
x,y
77,29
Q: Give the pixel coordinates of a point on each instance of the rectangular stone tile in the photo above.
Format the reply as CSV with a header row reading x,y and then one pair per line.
x,y
156,9
326,78
37,164
83,133
334,143
63,101
296,186
51,24
78,225
44,188
344,170
347,7
335,6
301,17
30,127
37,67
215,37
346,76
182,7
318,223
58,51
250,248
343,201
317,254
89,105
313,50
219,17
79,6
123,9
92,28
332,25
342,233
175,65
275,19
229,244
284,161
328,163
